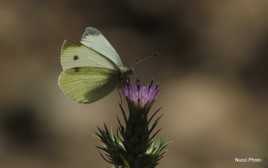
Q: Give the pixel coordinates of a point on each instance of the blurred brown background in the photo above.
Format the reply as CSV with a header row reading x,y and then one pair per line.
x,y
211,66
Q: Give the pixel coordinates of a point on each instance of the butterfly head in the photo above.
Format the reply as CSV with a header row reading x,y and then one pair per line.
x,y
125,71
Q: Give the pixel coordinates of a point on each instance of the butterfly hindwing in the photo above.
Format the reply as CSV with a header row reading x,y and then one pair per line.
x,y
87,84
78,55
94,39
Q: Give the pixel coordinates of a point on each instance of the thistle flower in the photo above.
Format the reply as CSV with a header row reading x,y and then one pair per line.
x,y
140,95
134,145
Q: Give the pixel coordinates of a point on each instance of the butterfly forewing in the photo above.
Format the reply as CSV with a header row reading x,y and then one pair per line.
x,y
94,39
78,55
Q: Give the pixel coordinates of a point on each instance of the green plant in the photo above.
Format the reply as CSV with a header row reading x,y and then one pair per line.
x,y
134,144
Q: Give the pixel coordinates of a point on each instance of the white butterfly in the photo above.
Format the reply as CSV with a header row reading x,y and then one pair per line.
x,y
91,69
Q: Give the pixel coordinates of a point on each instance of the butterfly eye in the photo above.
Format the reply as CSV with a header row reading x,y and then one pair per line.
x,y
75,58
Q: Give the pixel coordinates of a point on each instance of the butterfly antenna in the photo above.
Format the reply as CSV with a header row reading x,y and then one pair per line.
x,y
138,61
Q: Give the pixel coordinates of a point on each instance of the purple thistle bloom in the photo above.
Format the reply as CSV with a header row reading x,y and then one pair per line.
x,y
140,95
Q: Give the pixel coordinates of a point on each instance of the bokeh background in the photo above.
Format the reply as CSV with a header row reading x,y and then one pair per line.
x,y
211,65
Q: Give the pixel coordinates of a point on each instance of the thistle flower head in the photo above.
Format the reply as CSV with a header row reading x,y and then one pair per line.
x,y
140,95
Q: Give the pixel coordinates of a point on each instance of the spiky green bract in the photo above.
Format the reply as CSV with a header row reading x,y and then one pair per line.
x,y
112,146
134,145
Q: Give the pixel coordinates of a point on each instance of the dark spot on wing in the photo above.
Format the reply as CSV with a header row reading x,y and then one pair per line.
x,y
75,58
91,31
76,69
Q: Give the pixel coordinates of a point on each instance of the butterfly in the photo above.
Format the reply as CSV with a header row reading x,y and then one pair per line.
x,y
91,69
